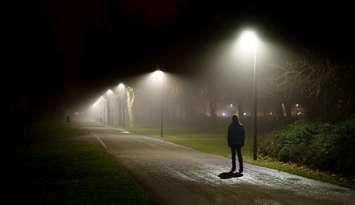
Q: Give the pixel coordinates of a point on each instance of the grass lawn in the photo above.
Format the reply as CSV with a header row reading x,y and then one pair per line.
x,y
59,169
214,142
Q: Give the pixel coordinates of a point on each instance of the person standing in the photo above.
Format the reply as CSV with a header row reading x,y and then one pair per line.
x,y
236,138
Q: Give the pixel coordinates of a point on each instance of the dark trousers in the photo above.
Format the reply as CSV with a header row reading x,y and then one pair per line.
x,y
237,150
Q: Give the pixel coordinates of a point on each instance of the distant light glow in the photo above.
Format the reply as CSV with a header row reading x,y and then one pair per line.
x,y
121,86
231,105
245,114
158,75
224,114
98,101
109,92
156,78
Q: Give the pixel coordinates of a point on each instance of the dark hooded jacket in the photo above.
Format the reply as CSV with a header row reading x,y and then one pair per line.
x,y
236,135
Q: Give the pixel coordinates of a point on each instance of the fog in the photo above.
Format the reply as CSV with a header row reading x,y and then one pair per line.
x,y
214,90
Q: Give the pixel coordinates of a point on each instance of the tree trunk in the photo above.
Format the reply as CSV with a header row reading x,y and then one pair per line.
x,y
130,103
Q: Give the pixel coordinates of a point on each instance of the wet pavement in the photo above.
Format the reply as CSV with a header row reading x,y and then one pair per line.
x,y
175,174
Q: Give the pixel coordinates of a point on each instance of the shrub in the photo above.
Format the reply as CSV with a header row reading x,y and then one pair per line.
x,y
315,144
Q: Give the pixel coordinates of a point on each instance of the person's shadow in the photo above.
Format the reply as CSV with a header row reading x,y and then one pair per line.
x,y
229,175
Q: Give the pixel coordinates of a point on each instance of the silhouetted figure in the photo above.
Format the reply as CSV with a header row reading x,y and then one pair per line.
x,y
68,118
236,137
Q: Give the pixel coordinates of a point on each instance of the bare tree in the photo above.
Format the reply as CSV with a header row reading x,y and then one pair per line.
x,y
316,82
130,102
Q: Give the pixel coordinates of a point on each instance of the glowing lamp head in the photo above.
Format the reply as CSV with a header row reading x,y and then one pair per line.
x,y
158,75
120,86
109,92
248,41
157,78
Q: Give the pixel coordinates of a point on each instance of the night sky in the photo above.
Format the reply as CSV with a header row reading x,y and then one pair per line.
x,y
62,51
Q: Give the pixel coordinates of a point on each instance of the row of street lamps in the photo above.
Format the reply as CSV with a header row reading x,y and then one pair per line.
x,y
248,42
102,105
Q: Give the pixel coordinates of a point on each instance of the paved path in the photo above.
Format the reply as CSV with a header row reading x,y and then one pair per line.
x,y
174,174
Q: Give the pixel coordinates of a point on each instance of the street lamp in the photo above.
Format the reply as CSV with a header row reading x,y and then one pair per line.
x,y
121,104
158,77
249,42
121,87
97,109
109,96
109,92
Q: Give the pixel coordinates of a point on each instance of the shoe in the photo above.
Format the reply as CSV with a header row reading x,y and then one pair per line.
x,y
238,174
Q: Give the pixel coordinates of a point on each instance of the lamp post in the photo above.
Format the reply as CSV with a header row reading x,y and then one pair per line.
x,y
97,109
109,96
158,76
249,42
121,108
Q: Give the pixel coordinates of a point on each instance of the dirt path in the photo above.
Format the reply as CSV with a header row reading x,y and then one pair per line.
x,y
174,174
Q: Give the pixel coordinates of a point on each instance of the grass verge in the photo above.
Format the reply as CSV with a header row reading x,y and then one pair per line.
x,y
215,143
60,169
